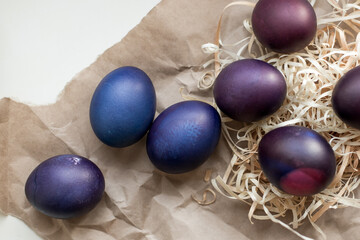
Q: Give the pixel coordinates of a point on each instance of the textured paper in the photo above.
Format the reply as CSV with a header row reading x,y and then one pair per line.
x,y
139,201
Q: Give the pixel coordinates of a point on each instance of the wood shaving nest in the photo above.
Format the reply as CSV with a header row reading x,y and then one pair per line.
x,y
311,76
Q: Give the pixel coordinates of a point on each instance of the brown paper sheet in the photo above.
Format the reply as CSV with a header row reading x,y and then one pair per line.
x,y
139,201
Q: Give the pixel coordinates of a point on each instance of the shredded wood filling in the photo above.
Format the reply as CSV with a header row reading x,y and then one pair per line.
x,y
311,76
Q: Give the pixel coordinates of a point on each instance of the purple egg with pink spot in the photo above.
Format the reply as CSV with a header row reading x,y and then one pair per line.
x,y
297,160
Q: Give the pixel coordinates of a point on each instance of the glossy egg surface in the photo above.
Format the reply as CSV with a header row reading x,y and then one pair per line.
x,y
284,26
123,107
346,98
297,160
248,90
65,186
183,136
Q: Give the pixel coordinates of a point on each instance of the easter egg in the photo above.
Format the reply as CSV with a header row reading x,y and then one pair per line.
x,y
65,186
284,26
123,107
249,90
297,160
183,136
346,99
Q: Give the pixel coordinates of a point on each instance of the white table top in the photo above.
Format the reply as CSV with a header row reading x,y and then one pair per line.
x,y
44,43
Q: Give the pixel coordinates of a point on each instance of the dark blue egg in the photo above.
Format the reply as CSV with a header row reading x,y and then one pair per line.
x,y
65,186
297,160
123,107
183,136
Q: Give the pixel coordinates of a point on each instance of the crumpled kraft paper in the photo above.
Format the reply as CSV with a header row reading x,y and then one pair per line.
x,y
139,201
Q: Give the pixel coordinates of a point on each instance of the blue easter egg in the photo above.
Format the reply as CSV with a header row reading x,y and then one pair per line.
x,y
123,107
183,136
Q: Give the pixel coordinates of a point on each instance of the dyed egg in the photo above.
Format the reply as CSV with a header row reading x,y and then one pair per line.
x,y
284,26
183,136
249,90
297,160
346,98
65,186
123,107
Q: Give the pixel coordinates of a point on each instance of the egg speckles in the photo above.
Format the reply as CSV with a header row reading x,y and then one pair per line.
x,y
183,136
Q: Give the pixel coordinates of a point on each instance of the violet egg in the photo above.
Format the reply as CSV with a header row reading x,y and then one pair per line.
x,y
249,90
65,186
123,107
297,160
284,26
346,98
183,136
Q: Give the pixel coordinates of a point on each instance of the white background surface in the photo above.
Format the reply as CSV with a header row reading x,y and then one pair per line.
x,y
44,43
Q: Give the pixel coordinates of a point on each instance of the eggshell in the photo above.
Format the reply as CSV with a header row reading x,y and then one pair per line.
x,y
297,160
249,90
65,186
346,98
123,107
183,136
